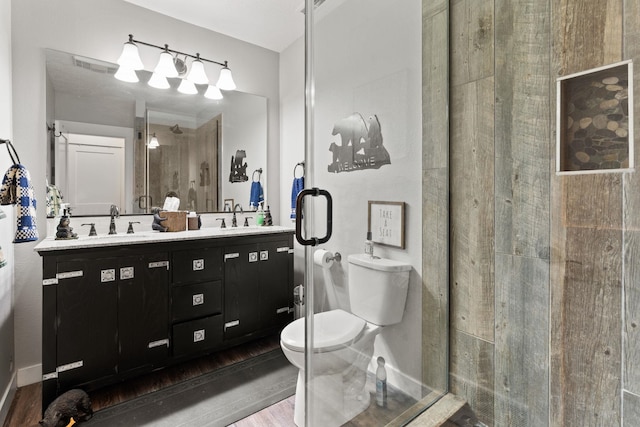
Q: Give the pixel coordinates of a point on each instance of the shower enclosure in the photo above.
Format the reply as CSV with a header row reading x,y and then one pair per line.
x,y
376,141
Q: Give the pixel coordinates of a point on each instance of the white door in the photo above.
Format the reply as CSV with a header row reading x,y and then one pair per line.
x,y
95,179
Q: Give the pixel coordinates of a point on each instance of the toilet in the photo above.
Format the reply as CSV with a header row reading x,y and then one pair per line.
x,y
343,341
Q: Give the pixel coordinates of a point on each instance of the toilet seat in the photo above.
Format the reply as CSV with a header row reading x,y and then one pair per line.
x,y
332,330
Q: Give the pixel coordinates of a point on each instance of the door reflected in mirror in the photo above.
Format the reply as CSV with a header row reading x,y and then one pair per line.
x,y
198,139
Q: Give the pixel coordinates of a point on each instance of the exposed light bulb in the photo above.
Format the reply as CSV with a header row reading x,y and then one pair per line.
x,y
225,81
187,87
126,75
213,93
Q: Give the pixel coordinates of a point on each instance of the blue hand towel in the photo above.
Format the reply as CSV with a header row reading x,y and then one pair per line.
x,y
257,195
296,187
17,190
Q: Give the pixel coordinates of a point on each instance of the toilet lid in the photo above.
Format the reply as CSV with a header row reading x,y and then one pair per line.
x,y
332,329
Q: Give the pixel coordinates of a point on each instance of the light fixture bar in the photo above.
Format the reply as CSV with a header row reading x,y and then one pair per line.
x,y
222,64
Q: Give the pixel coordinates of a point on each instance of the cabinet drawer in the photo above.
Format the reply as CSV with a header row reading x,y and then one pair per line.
x,y
197,335
197,265
196,300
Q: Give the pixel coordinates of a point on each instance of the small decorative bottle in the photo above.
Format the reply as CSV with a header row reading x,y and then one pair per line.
x,y
368,245
381,383
268,219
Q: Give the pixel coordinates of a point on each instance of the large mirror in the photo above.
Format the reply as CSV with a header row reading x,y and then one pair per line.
x,y
209,151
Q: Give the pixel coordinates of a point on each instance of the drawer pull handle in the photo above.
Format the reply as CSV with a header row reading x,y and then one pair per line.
x,y
126,273
70,366
158,264
231,324
253,256
69,275
197,299
283,249
108,275
282,310
231,256
158,343
198,335
264,255
198,264
50,376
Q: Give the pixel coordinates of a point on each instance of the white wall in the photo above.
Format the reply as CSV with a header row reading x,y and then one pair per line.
x,y
7,224
97,29
368,60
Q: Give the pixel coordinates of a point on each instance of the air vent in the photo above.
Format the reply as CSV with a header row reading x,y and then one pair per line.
x,y
94,65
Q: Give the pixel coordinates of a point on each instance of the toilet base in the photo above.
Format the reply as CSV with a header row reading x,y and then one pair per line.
x,y
333,403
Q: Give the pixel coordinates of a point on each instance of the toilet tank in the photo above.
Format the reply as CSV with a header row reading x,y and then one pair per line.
x,y
378,288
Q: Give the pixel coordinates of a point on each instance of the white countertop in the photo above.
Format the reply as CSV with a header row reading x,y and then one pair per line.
x,y
105,240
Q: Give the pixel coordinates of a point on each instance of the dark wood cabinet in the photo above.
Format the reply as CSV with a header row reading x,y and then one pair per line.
x,y
87,321
143,310
115,312
258,287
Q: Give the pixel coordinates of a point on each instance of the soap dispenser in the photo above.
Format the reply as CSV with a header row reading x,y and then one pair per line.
x,y
260,215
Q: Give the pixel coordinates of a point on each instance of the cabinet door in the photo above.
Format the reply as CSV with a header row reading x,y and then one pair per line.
x,y
276,290
241,277
143,311
87,322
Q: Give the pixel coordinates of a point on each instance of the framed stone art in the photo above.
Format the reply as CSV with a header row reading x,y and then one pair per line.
x,y
595,120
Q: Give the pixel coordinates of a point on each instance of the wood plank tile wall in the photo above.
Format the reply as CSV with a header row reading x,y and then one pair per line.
x,y
545,271
435,199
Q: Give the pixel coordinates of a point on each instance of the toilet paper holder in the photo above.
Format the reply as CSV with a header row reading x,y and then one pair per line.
x,y
336,257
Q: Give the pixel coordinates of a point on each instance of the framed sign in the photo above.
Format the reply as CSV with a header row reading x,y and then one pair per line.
x,y
386,223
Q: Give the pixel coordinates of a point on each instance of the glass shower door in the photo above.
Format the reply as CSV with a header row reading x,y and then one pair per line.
x,y
366,65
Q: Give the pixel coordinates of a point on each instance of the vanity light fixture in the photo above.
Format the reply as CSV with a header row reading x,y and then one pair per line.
x,y
130,61
130,58
213,93
225,81
165,66
197,74
126,75
153,142
187,87
158,81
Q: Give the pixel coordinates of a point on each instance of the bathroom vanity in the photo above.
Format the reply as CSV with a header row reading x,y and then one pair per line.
x,y
118,306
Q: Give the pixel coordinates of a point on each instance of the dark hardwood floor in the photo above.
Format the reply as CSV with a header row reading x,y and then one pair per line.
x,y
26,406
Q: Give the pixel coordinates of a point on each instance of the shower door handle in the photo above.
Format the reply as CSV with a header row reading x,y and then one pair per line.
x,y
315,192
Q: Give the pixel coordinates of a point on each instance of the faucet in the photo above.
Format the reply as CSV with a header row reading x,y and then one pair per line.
x,y
115,213
234,221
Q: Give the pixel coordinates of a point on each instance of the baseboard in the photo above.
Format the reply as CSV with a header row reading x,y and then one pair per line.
x,y
29,375
7,399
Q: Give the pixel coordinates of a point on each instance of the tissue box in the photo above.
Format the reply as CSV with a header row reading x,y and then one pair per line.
x,y
175,221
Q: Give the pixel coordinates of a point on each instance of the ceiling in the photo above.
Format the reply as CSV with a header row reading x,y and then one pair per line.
x,y
272,24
